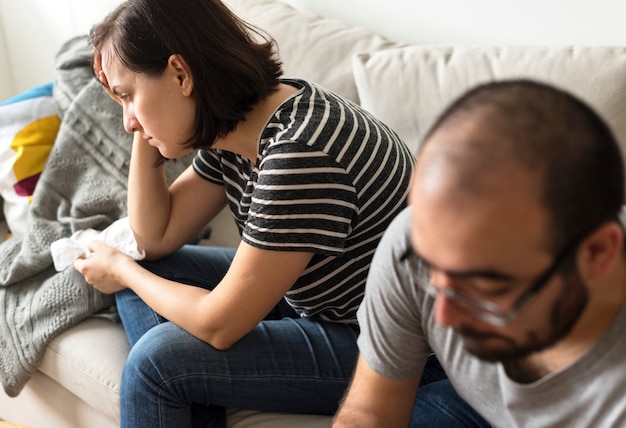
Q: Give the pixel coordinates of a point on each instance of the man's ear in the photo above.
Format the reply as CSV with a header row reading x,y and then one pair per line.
x,y
182,72
600,250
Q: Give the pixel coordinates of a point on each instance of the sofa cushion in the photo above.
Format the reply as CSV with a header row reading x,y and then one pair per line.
x,y
88,359
312,47
409,87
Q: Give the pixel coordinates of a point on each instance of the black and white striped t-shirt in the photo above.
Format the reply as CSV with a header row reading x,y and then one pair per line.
x,y
328,180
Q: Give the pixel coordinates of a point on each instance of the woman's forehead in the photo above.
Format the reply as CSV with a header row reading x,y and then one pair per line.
x,y
111,67
106,56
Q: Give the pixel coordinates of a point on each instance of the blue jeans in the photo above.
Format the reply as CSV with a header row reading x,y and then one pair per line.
x,y
285,364
439,406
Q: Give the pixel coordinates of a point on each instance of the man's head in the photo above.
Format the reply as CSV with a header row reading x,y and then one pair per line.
x,y
511,180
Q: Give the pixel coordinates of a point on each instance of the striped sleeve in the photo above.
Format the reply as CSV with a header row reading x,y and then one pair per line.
x,y
207,164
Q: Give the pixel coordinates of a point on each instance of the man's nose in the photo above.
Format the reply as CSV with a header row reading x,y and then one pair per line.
x,y
446,311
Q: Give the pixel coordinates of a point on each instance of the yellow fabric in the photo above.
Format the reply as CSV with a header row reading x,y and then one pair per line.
x,y
32,145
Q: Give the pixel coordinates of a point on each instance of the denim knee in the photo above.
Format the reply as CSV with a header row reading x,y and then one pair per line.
x,y
144,365
155,382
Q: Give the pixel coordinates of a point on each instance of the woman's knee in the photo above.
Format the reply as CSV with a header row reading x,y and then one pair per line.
x,y
154,357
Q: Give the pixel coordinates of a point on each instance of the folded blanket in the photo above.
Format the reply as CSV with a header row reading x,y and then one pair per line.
x,y
83,186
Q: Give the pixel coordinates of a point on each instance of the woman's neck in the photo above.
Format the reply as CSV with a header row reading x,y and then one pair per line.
x,y
245,138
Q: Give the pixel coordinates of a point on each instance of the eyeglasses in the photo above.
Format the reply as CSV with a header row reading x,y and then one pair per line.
x,y
491,312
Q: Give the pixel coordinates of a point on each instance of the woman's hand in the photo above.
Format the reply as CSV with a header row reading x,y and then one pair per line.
x,y
100,268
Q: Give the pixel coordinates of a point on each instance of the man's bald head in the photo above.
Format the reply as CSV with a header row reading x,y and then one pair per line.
x,y
572,162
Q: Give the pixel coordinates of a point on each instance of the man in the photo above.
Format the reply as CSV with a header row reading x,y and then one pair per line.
x,y
509,266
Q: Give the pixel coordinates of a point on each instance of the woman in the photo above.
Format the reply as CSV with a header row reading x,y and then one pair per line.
x,y
312,182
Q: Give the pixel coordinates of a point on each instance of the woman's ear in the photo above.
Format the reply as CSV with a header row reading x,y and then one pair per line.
x,y
182,73
600,250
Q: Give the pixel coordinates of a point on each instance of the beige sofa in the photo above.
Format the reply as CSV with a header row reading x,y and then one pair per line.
x,y
77,384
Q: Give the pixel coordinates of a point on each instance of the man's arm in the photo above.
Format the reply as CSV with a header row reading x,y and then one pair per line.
x,y
374,400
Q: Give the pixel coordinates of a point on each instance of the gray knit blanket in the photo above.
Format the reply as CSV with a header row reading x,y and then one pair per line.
x,y
83,186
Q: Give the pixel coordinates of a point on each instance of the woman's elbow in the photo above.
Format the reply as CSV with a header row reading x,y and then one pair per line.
x,y
157,250
221,342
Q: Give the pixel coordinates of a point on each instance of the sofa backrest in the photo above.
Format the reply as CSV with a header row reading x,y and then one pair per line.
x,y
407,86
312,47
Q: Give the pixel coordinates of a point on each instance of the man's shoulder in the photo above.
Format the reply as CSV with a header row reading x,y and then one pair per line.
x,y
396,238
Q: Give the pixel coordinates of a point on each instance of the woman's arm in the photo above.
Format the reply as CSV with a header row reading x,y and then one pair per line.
x,y
254,284
148,197
163,217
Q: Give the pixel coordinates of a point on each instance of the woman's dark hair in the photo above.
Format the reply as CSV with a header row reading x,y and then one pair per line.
x,y
233,64
551,131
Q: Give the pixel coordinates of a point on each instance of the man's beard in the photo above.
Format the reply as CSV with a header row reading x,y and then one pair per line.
x,y
564,314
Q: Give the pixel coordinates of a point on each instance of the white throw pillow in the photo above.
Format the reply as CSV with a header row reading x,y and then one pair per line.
x,y
409,87
29,123
312,47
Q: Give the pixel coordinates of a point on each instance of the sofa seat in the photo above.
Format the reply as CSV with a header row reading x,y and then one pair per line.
x,y
74,359
73,367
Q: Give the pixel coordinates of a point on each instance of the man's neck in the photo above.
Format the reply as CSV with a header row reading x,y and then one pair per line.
x,y
606,299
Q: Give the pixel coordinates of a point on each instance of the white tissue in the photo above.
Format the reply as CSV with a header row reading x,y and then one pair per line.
x,y
118,235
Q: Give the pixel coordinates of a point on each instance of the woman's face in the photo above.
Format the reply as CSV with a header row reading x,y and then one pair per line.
x,y
159,108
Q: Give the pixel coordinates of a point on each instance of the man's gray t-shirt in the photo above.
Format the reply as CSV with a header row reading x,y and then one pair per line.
x,y
398,332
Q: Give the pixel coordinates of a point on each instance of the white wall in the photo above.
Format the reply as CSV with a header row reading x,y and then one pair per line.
x,y
518,22
6,81
35,29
